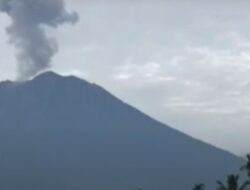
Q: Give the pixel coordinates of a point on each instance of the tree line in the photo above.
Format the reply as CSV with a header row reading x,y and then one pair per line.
x,y
232,180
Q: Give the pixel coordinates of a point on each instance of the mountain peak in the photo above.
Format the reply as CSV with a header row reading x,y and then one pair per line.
x,y
45,76
48,76
51,78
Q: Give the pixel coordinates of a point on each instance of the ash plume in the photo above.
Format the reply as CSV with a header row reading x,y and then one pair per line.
x,y
27,34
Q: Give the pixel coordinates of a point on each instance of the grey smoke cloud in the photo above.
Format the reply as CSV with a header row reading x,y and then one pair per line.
x,y
27,34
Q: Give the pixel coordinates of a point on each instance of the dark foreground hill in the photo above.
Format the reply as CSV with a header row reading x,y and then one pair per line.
x,y
63,133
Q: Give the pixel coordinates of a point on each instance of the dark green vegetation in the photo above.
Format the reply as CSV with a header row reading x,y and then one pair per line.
x,y
232,182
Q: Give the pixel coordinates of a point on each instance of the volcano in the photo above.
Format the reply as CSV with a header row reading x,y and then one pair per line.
x,y
65,133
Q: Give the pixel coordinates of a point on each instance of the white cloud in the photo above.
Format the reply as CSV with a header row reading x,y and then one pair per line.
x,y
156,51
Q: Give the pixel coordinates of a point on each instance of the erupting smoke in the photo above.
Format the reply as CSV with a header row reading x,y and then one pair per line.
x,y
35,49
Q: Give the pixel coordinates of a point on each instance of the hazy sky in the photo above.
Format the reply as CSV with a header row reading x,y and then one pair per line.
x,y
186,63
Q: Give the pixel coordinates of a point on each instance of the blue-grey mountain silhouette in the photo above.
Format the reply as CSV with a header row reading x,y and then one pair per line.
x,y
65,133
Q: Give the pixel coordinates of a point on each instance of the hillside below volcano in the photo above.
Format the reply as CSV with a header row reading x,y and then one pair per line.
x,y
66,133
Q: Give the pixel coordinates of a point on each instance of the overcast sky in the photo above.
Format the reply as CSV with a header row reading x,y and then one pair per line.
x,y
186,63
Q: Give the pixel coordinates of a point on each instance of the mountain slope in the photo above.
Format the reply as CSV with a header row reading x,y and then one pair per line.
x,y
65,133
